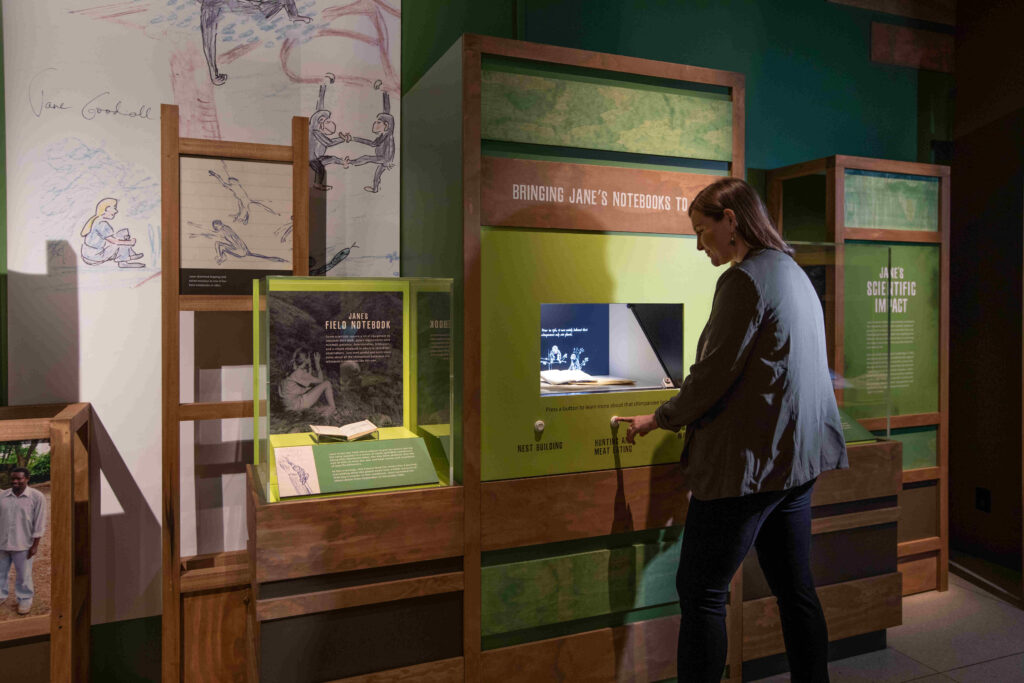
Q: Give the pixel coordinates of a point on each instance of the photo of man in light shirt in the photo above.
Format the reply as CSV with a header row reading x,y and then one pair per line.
x,y
22,523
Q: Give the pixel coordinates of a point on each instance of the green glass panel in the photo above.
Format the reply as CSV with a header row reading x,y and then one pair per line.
x,y
891,330
549,590
920,446
891,201
522,269
572,111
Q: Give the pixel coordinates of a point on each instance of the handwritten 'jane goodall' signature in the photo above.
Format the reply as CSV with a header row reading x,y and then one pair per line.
x,y
102,105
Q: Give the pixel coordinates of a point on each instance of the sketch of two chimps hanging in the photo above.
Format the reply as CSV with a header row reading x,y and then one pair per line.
x,y
323,131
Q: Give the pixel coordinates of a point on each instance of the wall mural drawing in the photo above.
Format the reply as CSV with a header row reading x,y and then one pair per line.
x,y
210,19
321,128
235,187
82,125
335,260
102,243
383,145
226,242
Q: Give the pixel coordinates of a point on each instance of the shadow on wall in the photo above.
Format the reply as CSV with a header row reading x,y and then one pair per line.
x,y
126,546
126,540
52,342
222,448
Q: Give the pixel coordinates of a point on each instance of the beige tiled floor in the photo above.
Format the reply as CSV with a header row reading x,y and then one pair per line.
x,y
964,634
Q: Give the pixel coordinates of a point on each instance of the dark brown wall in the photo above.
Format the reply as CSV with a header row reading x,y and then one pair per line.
x,y
987,223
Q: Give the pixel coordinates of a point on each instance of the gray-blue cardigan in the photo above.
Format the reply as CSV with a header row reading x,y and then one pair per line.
x,y
758,405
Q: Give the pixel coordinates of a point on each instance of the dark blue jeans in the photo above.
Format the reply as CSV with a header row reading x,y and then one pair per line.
x,y
717,536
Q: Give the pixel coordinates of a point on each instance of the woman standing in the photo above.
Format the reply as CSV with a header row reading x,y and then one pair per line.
x,y
761,424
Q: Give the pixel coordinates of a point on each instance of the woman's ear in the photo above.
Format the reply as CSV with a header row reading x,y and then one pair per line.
x,y
731,215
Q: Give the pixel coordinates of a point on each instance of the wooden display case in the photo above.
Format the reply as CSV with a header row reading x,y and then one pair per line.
x,y
446,565
902,207
458,171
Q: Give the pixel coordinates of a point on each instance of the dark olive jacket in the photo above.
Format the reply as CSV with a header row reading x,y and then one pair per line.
x,y
758,405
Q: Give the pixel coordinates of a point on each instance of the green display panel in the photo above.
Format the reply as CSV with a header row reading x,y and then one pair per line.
x,y
522,104
301,467
920,446
891,329
635,571
853,432
522,269
891,201
334,351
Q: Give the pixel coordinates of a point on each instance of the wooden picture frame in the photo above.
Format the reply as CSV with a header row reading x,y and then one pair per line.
x,y
67,428
196,589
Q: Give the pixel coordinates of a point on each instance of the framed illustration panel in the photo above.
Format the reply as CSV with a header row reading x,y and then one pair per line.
x,y
235,222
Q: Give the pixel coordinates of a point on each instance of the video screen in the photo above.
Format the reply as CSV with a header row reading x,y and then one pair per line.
x,y
587,347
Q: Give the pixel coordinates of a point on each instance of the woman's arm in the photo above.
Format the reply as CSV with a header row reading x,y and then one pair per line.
x,y
727,340
732,328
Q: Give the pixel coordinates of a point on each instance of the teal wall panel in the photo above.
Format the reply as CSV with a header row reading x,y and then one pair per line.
x,y
812,89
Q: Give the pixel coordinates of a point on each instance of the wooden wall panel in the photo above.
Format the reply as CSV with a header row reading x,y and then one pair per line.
x,y
919,507
330,535
851,608
876,470
443,671
920,573
361,640
218,656
916,48
938,11
518,512
622,199
642,651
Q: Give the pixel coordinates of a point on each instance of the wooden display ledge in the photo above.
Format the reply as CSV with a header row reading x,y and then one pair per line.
x,y
360,550
303,538
316,536
66,427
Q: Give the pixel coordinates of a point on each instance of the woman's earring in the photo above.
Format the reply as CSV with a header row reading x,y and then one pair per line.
x,y
732,240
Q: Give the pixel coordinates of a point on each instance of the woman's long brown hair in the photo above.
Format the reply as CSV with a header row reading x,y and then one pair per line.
x,y
752,220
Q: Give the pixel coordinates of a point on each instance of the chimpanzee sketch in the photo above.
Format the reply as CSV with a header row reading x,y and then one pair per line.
x,y
383,145
228,243
209,20
321,128
235,187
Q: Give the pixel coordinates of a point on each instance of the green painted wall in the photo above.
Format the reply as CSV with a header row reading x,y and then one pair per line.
x,y
429,27
810,92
